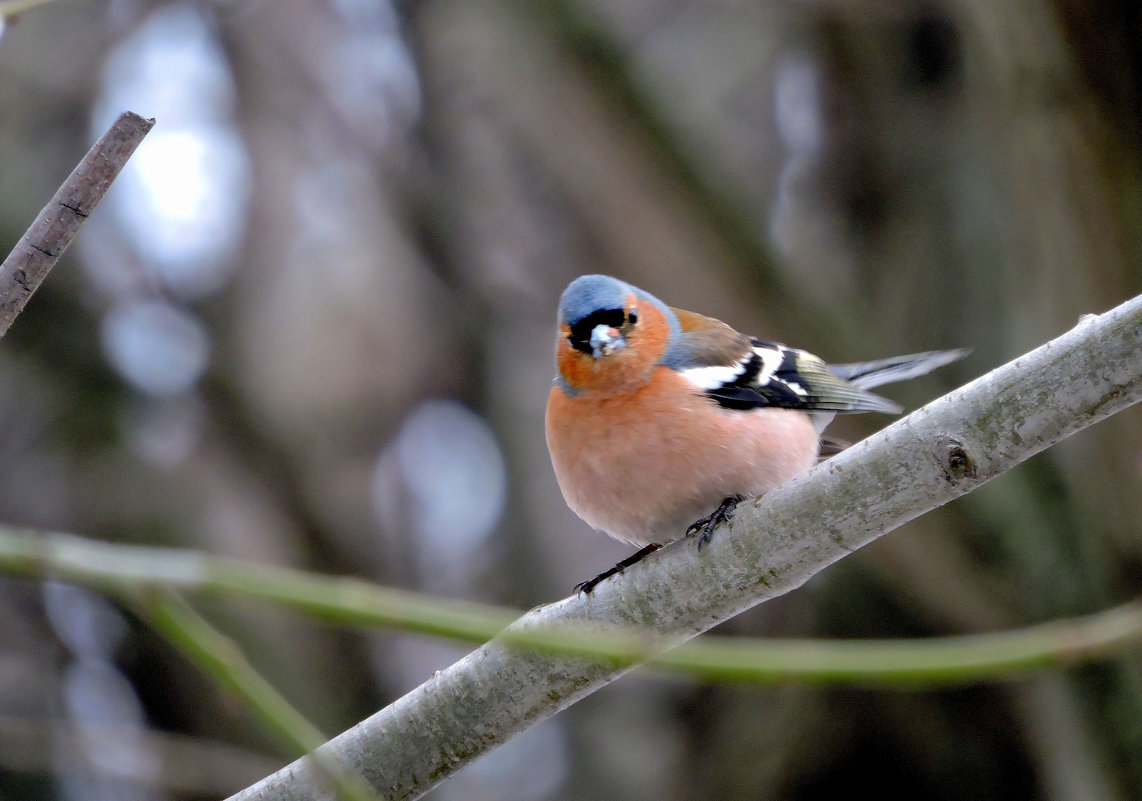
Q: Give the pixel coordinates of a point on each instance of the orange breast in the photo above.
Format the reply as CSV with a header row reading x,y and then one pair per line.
x,y
643,465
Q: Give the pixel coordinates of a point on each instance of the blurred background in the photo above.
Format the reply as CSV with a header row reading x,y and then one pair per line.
x,y
312,325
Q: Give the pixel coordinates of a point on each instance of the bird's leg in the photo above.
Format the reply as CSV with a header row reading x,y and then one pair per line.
x,y
587,586
708,523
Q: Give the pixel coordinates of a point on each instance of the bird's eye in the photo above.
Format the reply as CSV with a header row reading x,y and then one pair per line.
x,y
580,337
632,317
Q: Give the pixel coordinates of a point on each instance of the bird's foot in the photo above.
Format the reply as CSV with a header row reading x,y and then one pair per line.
x,y
707,524
590,584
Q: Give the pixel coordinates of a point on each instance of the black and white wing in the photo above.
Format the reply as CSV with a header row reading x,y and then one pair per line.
x,y
770,374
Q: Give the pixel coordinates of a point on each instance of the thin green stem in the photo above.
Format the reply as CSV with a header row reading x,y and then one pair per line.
x,y
923,662
120,569
224,661
9,8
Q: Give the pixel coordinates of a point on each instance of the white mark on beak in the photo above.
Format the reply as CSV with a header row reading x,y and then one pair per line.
x,y
606,340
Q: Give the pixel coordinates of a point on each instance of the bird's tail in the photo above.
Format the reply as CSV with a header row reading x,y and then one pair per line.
x,y
865,375
898,368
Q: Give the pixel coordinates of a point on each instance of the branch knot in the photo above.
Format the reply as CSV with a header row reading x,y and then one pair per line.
x,y
955,461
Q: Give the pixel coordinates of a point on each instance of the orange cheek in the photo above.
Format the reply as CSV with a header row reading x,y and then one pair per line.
x,y
622,371
575,367
653,334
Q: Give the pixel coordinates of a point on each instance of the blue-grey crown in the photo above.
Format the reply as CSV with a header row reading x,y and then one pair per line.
x,y
592,293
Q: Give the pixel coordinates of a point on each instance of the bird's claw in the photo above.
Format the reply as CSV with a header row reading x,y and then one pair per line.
x,y
707,524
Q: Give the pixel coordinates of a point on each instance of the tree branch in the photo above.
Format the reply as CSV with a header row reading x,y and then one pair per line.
x,y
58,223
132,572
934,455
12,8
220,657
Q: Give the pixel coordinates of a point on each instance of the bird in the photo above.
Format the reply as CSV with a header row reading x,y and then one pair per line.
x,y
659,415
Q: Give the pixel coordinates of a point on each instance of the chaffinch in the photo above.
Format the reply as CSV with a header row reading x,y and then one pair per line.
x,y
659,415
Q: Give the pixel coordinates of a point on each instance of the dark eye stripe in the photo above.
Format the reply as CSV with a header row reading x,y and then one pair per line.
x,y
581,331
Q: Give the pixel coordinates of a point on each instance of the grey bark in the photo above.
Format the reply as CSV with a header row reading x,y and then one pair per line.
x,y
59,221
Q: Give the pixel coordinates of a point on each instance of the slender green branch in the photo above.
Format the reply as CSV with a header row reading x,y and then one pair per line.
x,y
223,660
119,569
923,662
10,8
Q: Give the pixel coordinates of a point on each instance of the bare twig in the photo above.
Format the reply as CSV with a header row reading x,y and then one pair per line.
x,y
60,220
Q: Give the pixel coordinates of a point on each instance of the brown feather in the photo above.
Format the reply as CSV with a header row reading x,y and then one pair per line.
x,y
712,341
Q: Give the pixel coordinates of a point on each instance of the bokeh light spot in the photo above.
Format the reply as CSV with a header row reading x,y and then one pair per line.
x,y
158,348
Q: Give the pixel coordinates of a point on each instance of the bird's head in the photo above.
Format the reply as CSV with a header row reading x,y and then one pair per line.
x,y
611,335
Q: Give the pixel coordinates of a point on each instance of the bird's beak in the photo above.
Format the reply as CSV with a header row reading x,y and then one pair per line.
x,y
606,340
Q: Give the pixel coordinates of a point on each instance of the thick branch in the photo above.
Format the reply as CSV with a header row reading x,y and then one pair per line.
x,y
58,223
775,544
